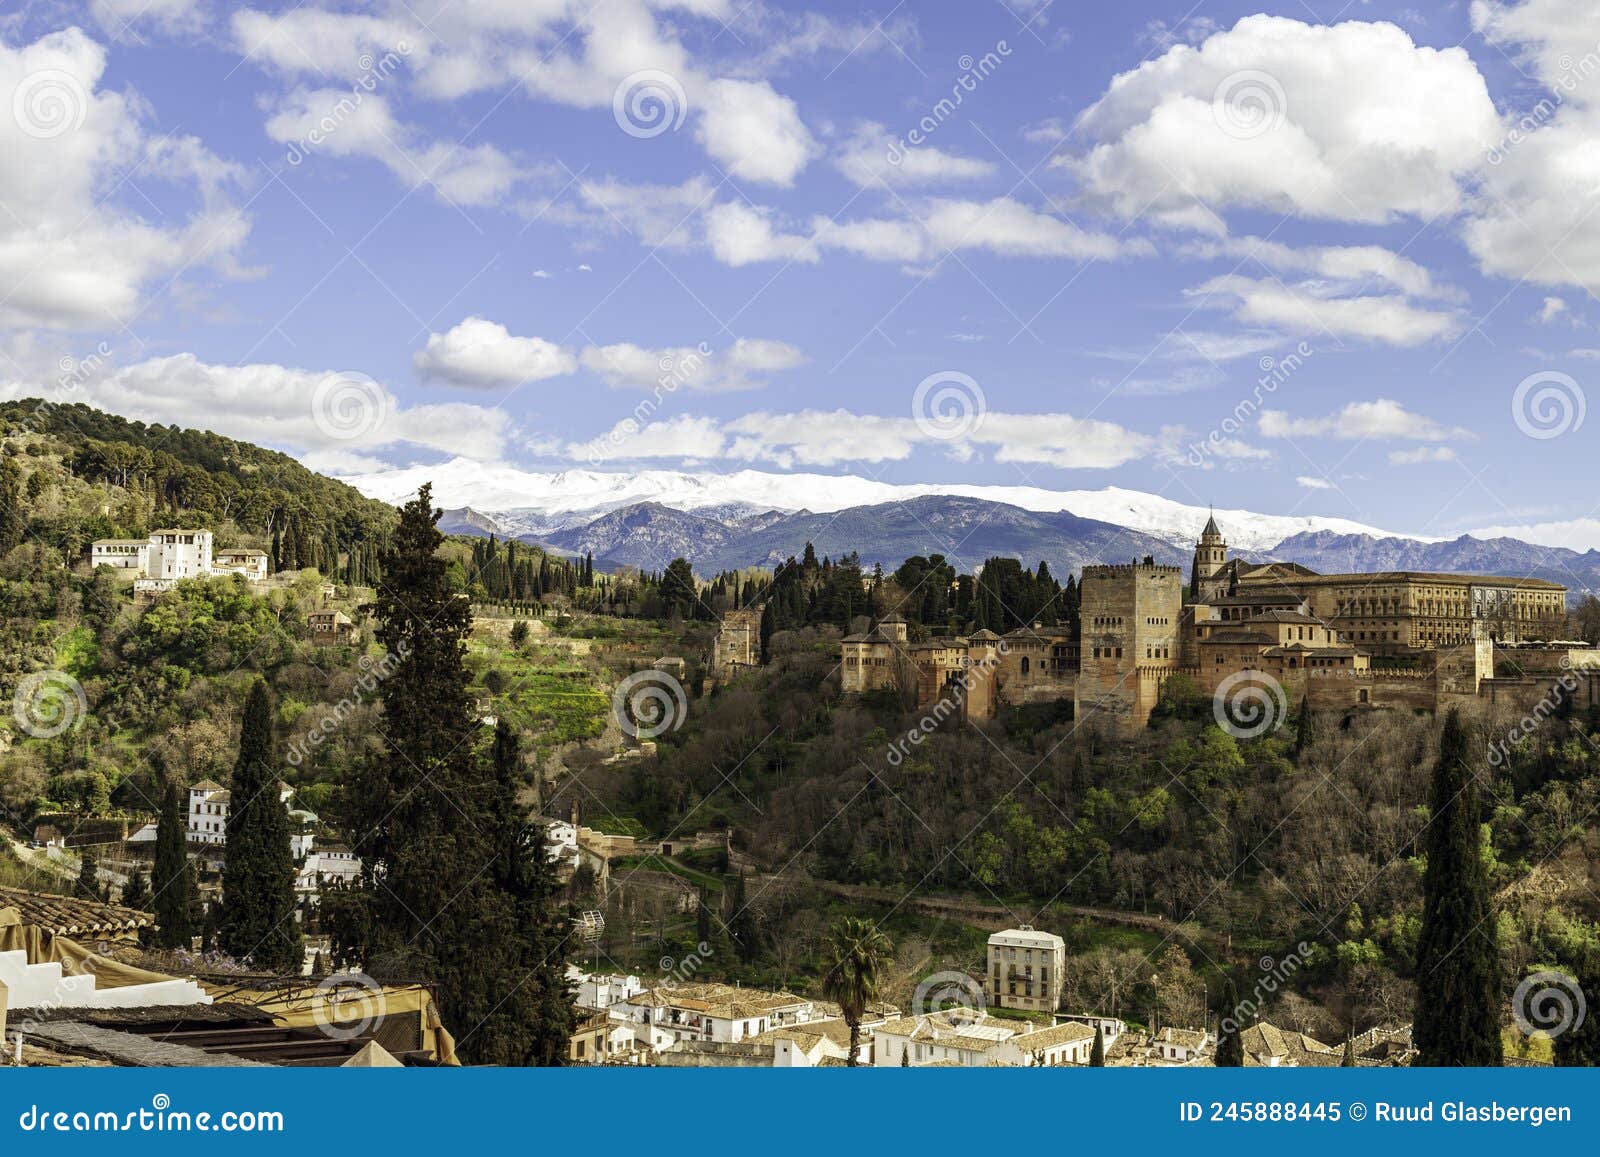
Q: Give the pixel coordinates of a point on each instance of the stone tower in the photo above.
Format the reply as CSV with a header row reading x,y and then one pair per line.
x,y
1129,643
1210,556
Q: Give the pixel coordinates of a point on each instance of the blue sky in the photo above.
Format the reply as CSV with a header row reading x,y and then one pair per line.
x,y
380,233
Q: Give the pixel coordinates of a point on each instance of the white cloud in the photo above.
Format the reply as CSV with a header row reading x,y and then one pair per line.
x,y
332,419
1308,308
342,123
1355,265
685,436
480,354
1350,122
1311,483
1008,228
1422,454
571,52
742,366
1552,309
1381,419
742,235
666,216
755,132
117,17
827,438
876,240
871,156
70,255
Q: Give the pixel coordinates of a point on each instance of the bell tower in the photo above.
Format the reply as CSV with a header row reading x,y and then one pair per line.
x,y
1210,556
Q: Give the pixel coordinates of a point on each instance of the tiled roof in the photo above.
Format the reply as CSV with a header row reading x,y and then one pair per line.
x,y
69,916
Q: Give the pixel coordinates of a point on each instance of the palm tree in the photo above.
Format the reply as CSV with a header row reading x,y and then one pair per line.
x,y
855,958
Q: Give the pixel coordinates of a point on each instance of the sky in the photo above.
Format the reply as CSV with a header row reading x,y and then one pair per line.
x,y
1312,258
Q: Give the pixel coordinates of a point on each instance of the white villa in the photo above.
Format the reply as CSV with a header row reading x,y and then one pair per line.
x,y
169,556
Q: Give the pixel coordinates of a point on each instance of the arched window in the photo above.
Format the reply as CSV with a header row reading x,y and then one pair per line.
x,y
1024,664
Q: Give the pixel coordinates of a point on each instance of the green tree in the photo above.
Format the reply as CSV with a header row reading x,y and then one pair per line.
x,y
172,901
1580,1044
136,892
1348,1061
855,959
257,922
13,522
1457,1020
88,885
1097,1055
519,632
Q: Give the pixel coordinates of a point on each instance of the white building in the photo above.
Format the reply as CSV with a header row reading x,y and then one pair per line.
x,y
970,1038
599,990
248,561
334,864
208,811
708,1012
1025,969
169,556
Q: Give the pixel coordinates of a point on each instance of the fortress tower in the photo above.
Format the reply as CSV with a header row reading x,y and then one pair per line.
x,y
1129,643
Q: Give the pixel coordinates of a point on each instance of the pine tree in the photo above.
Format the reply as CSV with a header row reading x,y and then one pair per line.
x,y
88,885
171,883
257,922
1348,1061
1457,1020
1097,1055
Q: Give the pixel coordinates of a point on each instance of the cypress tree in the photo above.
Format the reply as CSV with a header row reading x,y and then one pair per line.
x,y
456,888
535,1027
257,922
171,901
1349,1059
1230,1044
1457,1020
1580,1043
1097,1055
88,886
1305,730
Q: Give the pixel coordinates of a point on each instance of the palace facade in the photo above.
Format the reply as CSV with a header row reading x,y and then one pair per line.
x,y
1402,639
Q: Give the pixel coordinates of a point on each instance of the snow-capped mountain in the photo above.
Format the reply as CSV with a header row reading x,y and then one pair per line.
x,y
537,504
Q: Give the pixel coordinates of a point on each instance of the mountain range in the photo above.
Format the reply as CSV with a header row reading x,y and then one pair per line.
x,y
721,522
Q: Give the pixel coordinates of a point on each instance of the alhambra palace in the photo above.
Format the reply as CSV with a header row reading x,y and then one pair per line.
x,y
1407,640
